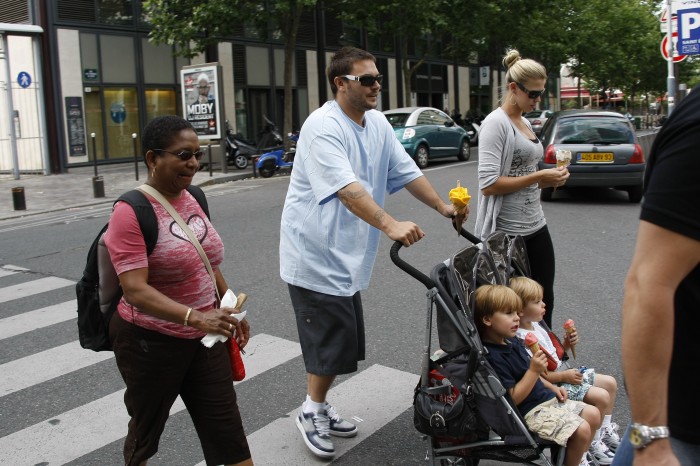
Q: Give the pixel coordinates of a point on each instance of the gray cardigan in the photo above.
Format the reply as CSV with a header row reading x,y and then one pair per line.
x,y
496,146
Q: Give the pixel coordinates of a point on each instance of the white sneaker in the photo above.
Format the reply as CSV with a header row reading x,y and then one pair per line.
x,y
601,453
610,437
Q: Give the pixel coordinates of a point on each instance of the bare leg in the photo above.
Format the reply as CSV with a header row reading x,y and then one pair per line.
x,y
318,386
599,398
578,444
609,384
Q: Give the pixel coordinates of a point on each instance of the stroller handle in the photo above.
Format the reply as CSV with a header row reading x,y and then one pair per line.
x,y
412,271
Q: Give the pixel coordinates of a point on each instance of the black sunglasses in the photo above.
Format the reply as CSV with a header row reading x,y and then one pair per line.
x,y
366,80
531,94
183,155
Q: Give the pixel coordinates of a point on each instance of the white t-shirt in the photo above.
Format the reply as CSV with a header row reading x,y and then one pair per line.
x,y
323,246
544,340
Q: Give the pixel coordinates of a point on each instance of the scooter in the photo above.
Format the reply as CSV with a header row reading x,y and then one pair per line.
x,y
279,159
473,128
239,150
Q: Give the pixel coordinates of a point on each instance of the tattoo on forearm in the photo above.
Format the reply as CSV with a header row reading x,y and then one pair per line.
x,y
379,216
347,197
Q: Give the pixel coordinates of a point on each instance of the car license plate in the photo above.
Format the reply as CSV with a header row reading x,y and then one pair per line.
x,y
595,157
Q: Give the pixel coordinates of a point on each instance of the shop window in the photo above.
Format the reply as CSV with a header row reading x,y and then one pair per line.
x,y
93,123
121,116
118,59
160,102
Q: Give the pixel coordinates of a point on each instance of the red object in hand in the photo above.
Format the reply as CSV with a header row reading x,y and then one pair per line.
x,y
237,366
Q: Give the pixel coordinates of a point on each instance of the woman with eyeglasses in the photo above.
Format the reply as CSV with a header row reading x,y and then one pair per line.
x,y
169,304
509,182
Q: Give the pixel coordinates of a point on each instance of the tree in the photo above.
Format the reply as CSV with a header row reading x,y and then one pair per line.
x,y
194,27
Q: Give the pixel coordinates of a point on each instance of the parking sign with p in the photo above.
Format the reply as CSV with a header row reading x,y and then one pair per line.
x,y
689,28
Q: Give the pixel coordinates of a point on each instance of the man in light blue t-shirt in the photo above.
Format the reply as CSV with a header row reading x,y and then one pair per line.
x,y
347,160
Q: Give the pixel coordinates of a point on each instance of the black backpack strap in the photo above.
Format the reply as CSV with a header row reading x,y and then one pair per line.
x,y
198,194
145,215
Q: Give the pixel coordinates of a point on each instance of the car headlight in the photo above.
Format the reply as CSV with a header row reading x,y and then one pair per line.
x,y
408,133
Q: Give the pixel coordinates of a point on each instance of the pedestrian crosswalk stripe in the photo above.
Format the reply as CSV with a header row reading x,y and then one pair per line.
x,y
6,270
40,318
377,395
25,289
77,432
47,365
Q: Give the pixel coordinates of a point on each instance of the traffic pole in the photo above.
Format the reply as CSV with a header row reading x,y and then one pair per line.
x,y
671,85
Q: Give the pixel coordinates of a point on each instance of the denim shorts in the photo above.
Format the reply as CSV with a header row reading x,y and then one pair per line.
x,y
331,331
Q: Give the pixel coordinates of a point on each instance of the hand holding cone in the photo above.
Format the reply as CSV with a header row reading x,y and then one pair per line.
x,y
533,345
570,328
459,197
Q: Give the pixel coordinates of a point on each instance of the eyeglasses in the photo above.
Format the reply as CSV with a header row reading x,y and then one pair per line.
x,y
366,80
184,155
531,94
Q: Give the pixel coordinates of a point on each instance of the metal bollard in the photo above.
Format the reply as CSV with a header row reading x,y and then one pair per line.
x,y
98,186
211,165
94,152
18,202
136,157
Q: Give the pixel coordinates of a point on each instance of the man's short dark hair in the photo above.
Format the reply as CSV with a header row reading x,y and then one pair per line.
x,y
342,62
160,131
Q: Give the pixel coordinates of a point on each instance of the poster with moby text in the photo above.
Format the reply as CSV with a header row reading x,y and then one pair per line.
x,y
201,99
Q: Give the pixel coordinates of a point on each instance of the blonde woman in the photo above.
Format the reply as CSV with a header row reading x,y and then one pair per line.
x,y
509,183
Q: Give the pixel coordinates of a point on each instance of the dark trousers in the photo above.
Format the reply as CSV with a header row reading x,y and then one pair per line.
x,y
540,253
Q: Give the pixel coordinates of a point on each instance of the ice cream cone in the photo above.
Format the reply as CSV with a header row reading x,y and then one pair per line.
x,y
533,344
563,159
459,197
569,327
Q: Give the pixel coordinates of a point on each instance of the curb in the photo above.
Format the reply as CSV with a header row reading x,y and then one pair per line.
x,y
206,182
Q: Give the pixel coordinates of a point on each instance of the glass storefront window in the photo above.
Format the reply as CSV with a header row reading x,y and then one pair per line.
x,y
160,102
121,115
93,123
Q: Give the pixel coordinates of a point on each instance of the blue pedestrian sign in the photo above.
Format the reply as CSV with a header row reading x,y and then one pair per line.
x,y
24,79
689,29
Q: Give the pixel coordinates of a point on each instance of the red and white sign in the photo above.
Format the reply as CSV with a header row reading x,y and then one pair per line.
x,y
664,49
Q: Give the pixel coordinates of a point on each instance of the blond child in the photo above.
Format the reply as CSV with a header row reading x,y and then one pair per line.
x,y
588,386
545,407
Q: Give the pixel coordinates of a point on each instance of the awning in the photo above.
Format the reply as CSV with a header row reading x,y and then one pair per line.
x,y
572,93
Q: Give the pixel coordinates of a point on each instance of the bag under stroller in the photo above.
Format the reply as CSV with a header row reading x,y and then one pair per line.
x,y
460,404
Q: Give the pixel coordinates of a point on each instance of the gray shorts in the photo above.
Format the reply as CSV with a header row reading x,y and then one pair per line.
x,y
331,331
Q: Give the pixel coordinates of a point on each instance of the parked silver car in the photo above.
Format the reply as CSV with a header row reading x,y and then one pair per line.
x,y
604,151
537,119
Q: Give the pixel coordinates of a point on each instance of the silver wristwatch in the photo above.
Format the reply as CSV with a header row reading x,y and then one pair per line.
x,y
641,436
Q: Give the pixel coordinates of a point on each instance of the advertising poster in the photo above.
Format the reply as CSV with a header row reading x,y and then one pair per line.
x,y
76,126
201,100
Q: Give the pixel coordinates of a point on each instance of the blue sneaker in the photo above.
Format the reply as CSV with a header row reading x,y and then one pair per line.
x,y
315,429
339,426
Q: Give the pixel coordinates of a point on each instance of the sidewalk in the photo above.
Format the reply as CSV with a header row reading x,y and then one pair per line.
x,y
75,188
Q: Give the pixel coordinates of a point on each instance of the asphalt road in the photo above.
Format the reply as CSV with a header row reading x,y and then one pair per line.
x,y
593,233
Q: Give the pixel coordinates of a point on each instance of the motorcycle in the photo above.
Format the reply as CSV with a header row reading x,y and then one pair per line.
x,y
473,127
239,150
278,159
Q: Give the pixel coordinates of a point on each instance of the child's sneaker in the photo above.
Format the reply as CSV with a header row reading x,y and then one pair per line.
x,y
601,453
610,437
314,428
339,426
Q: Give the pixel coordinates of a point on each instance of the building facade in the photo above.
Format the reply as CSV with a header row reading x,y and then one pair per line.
x,y
96,79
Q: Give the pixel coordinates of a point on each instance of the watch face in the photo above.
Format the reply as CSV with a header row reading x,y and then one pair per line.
x,y
636,437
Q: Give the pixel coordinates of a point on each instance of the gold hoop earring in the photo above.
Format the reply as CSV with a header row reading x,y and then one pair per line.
x,y
513,101
153,173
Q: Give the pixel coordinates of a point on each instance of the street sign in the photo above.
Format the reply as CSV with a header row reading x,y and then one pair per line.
x,y
689,30
664,49
24,79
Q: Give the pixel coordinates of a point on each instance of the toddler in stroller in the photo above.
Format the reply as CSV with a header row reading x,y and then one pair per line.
x,y
546,408
582,384
464,366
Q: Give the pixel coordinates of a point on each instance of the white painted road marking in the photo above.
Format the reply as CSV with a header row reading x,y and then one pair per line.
x,y
34,287
40,318
89,427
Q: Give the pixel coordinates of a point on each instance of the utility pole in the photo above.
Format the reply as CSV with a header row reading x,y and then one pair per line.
x,y
669,62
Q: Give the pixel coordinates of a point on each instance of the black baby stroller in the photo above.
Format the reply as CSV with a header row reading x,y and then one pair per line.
x,y
460,404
